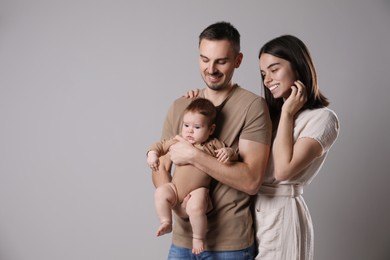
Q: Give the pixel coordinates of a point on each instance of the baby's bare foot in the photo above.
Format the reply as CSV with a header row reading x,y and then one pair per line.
x,y
197,245
165,227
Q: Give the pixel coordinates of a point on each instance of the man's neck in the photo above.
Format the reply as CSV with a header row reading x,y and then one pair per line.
x,y
218,96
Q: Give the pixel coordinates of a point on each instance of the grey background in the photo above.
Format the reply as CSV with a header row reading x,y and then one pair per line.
x,y
84,87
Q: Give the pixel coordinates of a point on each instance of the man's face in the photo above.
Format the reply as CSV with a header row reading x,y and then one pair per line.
x,y
217,62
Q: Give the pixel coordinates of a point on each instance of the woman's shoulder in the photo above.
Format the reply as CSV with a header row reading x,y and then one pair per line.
x,y
321,124
324,119
323,113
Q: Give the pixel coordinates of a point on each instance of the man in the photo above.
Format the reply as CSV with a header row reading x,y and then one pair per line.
x,y
243,123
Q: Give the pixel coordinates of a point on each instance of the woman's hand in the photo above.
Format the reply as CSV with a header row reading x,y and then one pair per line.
x,y
296,100
193,93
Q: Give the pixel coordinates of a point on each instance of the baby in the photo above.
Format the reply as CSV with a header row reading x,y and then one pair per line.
x,y
198,127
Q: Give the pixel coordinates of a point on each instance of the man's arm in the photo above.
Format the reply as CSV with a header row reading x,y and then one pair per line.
x,y
246,176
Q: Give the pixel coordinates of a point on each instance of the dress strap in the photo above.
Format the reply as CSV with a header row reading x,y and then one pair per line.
x,y
288,190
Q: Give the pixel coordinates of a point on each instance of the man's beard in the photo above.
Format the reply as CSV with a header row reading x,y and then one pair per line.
x,y
217,86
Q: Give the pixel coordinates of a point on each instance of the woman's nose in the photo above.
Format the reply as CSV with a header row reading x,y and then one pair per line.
x,y
267,79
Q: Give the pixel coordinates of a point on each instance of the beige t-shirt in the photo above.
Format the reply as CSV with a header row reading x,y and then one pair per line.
x,y
243,115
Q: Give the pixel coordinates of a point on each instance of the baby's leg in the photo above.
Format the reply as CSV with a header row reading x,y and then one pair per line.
x,y
165,198
196,210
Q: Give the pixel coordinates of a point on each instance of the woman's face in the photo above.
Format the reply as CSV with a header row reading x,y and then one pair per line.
x,y
277,74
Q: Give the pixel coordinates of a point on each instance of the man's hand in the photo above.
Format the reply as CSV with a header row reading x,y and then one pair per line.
x,y
182,152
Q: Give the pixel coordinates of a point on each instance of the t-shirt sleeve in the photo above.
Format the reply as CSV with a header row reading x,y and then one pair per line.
x,y
167,131
163,146
258,126
323,127
212,145
173,118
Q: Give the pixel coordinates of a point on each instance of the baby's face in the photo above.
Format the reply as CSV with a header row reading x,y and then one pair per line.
x,y
195,128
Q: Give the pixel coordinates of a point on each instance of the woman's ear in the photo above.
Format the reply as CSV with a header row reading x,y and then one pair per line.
x,y
297,75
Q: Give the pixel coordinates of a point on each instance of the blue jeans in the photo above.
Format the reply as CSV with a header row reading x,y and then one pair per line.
x,y
177,253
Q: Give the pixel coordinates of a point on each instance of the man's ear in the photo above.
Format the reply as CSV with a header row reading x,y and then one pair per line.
x,y
239,58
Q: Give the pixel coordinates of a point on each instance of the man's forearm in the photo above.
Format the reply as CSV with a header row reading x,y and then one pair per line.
x,y
245,176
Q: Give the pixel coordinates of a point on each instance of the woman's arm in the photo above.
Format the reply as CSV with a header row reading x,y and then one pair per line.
x,y
290,158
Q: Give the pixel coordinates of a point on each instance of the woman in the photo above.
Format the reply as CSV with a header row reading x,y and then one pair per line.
x,y
304,129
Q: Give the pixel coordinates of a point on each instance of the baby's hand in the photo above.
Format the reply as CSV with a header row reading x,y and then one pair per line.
x,y
153,160
225,154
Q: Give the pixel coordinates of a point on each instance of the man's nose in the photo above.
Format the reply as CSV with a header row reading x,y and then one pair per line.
x,y
211,68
